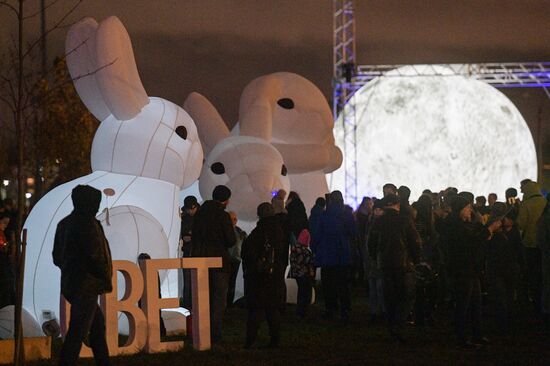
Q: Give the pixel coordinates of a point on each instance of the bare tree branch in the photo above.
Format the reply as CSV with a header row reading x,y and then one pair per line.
x,y
39,11
9,6
70,81
55,26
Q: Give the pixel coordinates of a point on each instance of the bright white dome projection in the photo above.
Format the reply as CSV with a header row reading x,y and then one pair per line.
x,y
432,132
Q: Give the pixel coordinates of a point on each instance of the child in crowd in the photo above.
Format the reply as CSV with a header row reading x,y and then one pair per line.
x,y
302,270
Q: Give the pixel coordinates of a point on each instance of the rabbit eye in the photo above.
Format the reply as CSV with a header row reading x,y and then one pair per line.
x,y
286,103
217,168
182,132
284,171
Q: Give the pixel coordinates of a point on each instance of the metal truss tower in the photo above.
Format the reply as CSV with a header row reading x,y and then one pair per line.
x,y
343,71
348,78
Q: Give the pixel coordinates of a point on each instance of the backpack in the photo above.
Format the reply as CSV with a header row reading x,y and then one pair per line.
x,y
266,259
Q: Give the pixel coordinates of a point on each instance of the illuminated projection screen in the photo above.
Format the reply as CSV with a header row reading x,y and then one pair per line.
x,y
432,132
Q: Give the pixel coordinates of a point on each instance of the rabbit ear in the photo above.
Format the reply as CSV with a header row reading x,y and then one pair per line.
x,y
81,62
210,125
256,107
118,78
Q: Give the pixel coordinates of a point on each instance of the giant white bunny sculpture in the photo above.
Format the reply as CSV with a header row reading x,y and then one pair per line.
x,y
146,149
250,166
292,114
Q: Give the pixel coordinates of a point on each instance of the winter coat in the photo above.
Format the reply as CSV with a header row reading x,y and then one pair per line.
x,y
331,237
213,233
260,289
394,242
81,250
186,229
235,251
297,216
362,220
529,212
288,236
504,255
431,252
465,247
314,217
301,261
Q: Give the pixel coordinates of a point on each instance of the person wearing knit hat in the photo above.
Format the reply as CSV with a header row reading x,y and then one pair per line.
x,y
395,244
303,271
263,270
503,262
304,238
221,194
498,212
465,241
188,211
213,235
458,204
278,205
331,238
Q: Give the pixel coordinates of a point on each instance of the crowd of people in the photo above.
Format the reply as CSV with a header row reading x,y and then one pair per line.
x,y
448,250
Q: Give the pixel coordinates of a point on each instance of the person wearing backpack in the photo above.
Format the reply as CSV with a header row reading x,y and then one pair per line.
x,y
263,259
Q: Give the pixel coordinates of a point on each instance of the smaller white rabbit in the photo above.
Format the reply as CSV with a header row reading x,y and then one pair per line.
x,y
251,167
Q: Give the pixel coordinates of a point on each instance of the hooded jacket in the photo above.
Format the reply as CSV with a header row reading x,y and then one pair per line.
x,y
529,213
81,250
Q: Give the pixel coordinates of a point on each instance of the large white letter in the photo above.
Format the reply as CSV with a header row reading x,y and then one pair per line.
x,y
152,304
201,298
137,324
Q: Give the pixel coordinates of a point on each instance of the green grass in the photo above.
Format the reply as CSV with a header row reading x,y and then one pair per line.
x,y
320,342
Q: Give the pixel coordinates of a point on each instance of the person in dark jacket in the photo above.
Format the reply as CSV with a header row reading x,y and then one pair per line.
x,y
331,247
188,211
262,287
82,253
297,216
235,254
466,240
282,215
504,258
405,209
427,282
362,221
315,214
213,235
396,246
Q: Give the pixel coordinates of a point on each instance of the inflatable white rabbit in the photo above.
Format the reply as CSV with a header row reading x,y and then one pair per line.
x,y
251,167
146,149
291,112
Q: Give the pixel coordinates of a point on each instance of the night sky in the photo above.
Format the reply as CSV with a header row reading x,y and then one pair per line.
x,y
216,47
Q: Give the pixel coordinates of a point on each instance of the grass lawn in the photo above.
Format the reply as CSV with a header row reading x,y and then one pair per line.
x,y
322,342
